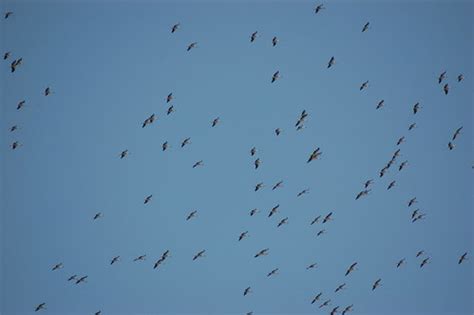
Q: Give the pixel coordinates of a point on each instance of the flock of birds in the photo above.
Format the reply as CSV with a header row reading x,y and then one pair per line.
x,y
415,216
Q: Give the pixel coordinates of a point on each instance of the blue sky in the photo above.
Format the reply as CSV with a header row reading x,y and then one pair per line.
x,y
112,64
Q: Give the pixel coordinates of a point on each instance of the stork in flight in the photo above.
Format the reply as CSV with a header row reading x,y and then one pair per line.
x,y
123,154
175,27
199,254
327,217
198,163
402,165
376,284
278,131
274,41
446,89
158,262
334,311
364,85
243,235
319,8
401,140
314,156
366,27
317,297
363,193
460,78
277,185
331,62
13,128
419,217
169,98
98,313
8,14
253,212
424,262
263,252
321,232
340,287
416,108
312,266
40,307
441,77
368,183
273,272
15,145
275,76
253,36
140,258
380,104
450,146
400,262
462,258
57,266
421,252
191,46
391,185
149,120
20,105
273,210
351,268
257,163
191,215
6,55
315,220
147,199
164,146
170,110
114,260
301,193
247,291
326,303
47,91
82,279
414,213
185,142
412,126
347,309
283,221
215,121
98,216
73,277
412,201
253,151
457,133
258,186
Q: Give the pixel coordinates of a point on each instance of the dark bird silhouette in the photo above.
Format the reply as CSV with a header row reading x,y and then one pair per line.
x,y
82,279
170,110
215,121
416,108
275,76
441,77
400,140
149,120
462,258
6,55
263,252
273,272
253,36
98,313
376,284
114,260
175,27
319,8
247,291
191,46
460,78
446,89
368,183
314,156
198,163
340,287
40,307
147,199
278,131
327,217
414,214
185,142
402,165
199,255
421,252
253,151
253,212
273,210
418,217
8,14
325,303
317,297
424,262
391,185
321,232
283,221
366,27
277,185
158,262
412,126
47,91
73,277
57,266
315,220
164,146
312,266
140,258
21,104
169,98
274,41
450,146
351,268
362,193
191,215
301,193
257,163
331,62
334,311
347,309
243,235
457,133
364,85
123,154
13,128
400,262
97,216
380,104
15,63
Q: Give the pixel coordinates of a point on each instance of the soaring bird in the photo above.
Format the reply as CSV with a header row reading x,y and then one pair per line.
x,y
15,63
253,37
198,163
317,297
73,277
421,252
258,186
21,104
253,212
263,252
340,287
325,303
363,193
418,217
462,258
257,163
314,156
383,171
191,46
275,76
327,217
460,78
319,8
351,268
123,154
243,235
446,89
273,210
40,307
396,154
114,260
347,309
165,254
274,41
412,126
457,133
47,91
247,291
170,110
158,262
312,266
315,220
253,151
140,258
321,232
175,27
215,121
441,77
402,165
185,142
98,313
277,185
331,62
278,131
380,104
191,215
368,183
400,140
147,199
424,262
416,108
164,146
334,310
400,262
283,221
450,146
169,98
82,279
376,284
199,254
57,266
273,272
366,27
391,185
98,216
6,55
13,128
149,120
364,85
8,14
414,214
301,193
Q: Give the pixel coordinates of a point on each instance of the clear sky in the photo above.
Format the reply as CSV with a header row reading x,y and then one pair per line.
x,y
110,65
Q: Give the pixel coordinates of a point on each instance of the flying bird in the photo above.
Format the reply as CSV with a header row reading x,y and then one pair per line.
x,y
418,217
175,27
446,89
351,268
57,266
13,128
326,303
198,163
247,291
421,252
312,266
6,55
347,309
321,232
97,216
380,104
327,217
441,77
40,307
164,146
301,193
334,311
140,258
191,46
253,212
460,78
457,133
402,165
450,146
257,163
366,27
412,126
114,260
368,183
331,62
8,14
215,121
278,131
21,104
277,185
185,142
253,37
158,262
416,108
314,156
376,284
258,186
170,110
275,76
319,8
169,98
147,199
47,91
273,272
73,277
424,262
191,215
462,258
81,279
340,287
362,193
123,154
253,151
283,221
364,85
391,185
400,262
243,235
149,120
400,140
414,213
263,252
199,254
317,297
315,220
273,210
274,41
